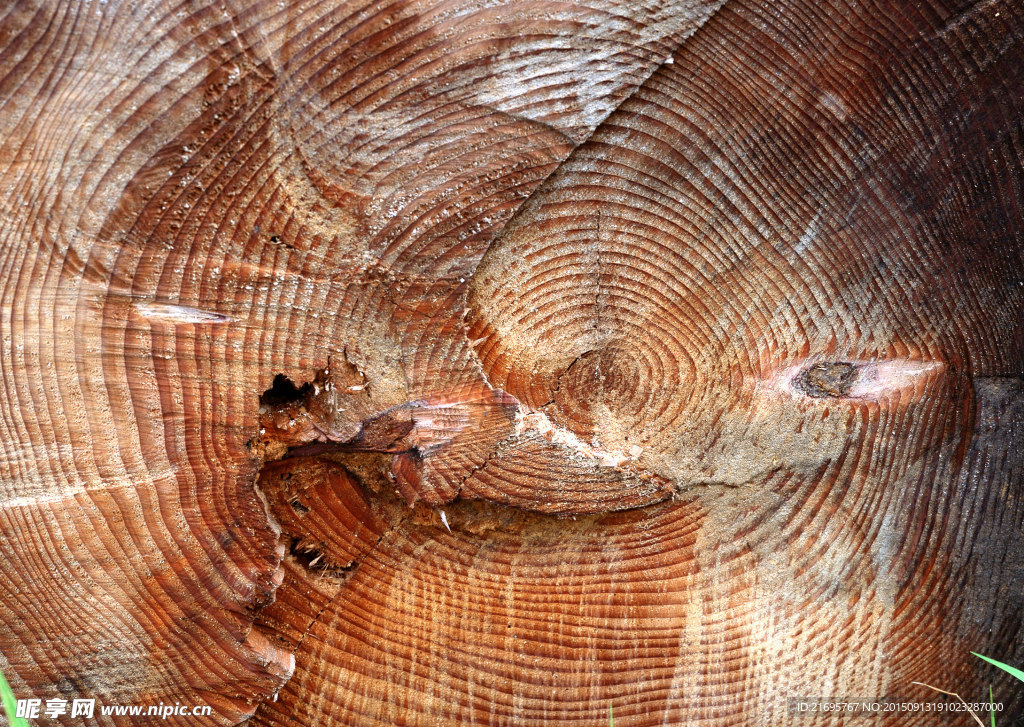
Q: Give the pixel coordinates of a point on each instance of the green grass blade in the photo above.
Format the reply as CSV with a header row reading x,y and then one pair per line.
x,y
611,718
1005,667
10,704
991,706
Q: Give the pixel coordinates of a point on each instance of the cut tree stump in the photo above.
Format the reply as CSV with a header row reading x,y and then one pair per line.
x,y
464,362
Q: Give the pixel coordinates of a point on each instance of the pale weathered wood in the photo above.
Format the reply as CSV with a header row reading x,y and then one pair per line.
x,y
453,362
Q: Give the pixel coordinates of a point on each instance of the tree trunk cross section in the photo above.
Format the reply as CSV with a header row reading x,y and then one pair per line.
x,y
509,363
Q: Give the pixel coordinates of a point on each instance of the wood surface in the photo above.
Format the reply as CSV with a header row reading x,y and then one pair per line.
x,y
465,362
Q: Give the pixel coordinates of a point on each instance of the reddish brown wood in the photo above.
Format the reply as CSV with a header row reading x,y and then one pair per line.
x,y
454,362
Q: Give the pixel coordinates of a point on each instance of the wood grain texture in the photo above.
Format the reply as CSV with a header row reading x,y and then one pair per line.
x,y
471,362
